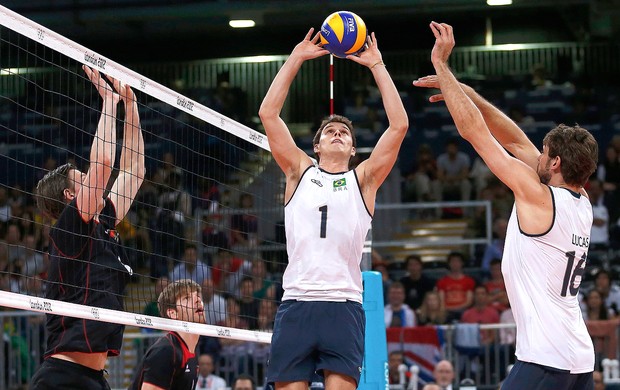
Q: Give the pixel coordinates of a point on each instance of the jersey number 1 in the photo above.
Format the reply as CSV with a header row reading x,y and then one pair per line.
x,y
570,275
323,210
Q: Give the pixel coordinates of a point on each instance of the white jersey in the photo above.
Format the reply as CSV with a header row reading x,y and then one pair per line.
x,y
542,275
326,223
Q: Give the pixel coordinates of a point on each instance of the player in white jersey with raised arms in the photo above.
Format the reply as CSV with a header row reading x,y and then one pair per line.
x,y
320,324
548,233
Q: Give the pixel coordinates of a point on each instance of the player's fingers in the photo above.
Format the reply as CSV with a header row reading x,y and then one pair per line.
x,y
309,34
435,30
374,39
436,98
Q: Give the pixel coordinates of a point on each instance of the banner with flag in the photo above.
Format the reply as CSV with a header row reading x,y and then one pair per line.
x,y
421,345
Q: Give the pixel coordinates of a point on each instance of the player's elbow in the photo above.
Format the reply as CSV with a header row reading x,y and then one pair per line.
x,y
267,112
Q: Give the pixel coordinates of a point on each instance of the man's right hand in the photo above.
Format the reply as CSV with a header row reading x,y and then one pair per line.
x,y
105,90
309,48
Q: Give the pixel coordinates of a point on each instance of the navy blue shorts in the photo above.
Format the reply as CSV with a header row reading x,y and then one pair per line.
x,y
61,374
533,376
311,336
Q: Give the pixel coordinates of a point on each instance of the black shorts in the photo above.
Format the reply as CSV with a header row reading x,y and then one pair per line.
x,y
311,336
61,374
533,376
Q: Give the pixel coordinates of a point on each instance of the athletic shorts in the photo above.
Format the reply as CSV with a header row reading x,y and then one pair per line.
x,y
61,374
312,336
533,376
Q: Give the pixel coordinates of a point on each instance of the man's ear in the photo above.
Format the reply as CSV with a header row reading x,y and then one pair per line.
x,y
557,162
68,194
171,313
353,151
315,147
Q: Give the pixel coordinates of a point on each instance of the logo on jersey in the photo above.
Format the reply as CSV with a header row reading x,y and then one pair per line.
x,y
187,368
318,183
340,184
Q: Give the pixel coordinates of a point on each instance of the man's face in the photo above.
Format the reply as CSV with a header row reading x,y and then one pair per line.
x,y
243,384
189,307
444,374
335,137
205,365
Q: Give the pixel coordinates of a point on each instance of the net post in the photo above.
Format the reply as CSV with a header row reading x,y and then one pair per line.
x,y
375,367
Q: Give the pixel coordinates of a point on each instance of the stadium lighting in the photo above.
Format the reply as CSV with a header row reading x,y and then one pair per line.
x,y
241,23
499,2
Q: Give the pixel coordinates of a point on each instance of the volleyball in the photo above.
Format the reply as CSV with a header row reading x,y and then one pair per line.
x,y
343,33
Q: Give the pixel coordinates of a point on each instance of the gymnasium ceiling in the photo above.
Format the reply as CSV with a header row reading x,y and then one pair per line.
x,y
158,30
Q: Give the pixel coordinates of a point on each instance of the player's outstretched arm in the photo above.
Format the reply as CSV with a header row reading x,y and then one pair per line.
x,y
132,168
504,129
102,152
375,169
289,157
521,179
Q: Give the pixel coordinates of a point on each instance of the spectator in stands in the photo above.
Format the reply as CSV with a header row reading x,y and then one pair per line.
x,y
421,182
191,267
263,285
175,207
228,270
496,287
33,263
539,78
431,312
507,336
609,291
5,210
266,315
502,200
397,313
206,379
495,250
209,195
13,240
432,386
453,173
395,359
595,307
151,308
248,305
214,235
214,303
415,282
170,362
599,235
244,382
380,265
444,374
244,224
456,289
608,172
599,383
482,313
480,175
517,114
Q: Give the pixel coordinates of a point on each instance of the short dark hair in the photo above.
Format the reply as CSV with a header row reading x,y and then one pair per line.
x,y
50,191
244,377
495,261
578,152
413,258
330,119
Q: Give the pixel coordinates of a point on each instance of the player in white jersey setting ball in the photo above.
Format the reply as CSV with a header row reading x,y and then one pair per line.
x,y
320,324
548,233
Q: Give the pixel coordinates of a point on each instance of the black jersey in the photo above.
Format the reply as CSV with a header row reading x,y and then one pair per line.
x,y
88,266
168,364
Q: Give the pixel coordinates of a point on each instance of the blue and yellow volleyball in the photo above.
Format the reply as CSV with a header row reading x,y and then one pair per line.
x,y
343,33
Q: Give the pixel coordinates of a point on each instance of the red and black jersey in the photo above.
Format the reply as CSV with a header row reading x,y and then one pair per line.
x,y
168,364
88,266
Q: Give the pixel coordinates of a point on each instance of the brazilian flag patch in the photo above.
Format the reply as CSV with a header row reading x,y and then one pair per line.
x,y
340,183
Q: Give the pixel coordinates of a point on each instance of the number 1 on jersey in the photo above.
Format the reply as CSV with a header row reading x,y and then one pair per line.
x,y
323,210
568,284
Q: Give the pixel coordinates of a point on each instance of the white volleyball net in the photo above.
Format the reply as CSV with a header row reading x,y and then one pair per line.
x,y
209,208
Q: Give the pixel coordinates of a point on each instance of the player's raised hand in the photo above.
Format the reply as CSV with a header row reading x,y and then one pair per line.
x,y
105,90
371,56
310,47
430,81
444,42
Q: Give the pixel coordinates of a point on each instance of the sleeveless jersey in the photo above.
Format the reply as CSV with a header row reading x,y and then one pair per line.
x,y
542,275
326,222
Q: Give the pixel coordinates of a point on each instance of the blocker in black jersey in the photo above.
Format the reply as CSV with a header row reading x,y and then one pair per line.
x,y
168,364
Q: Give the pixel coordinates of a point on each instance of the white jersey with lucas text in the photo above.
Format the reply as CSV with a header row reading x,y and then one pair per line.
x,y
542,275
326,223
